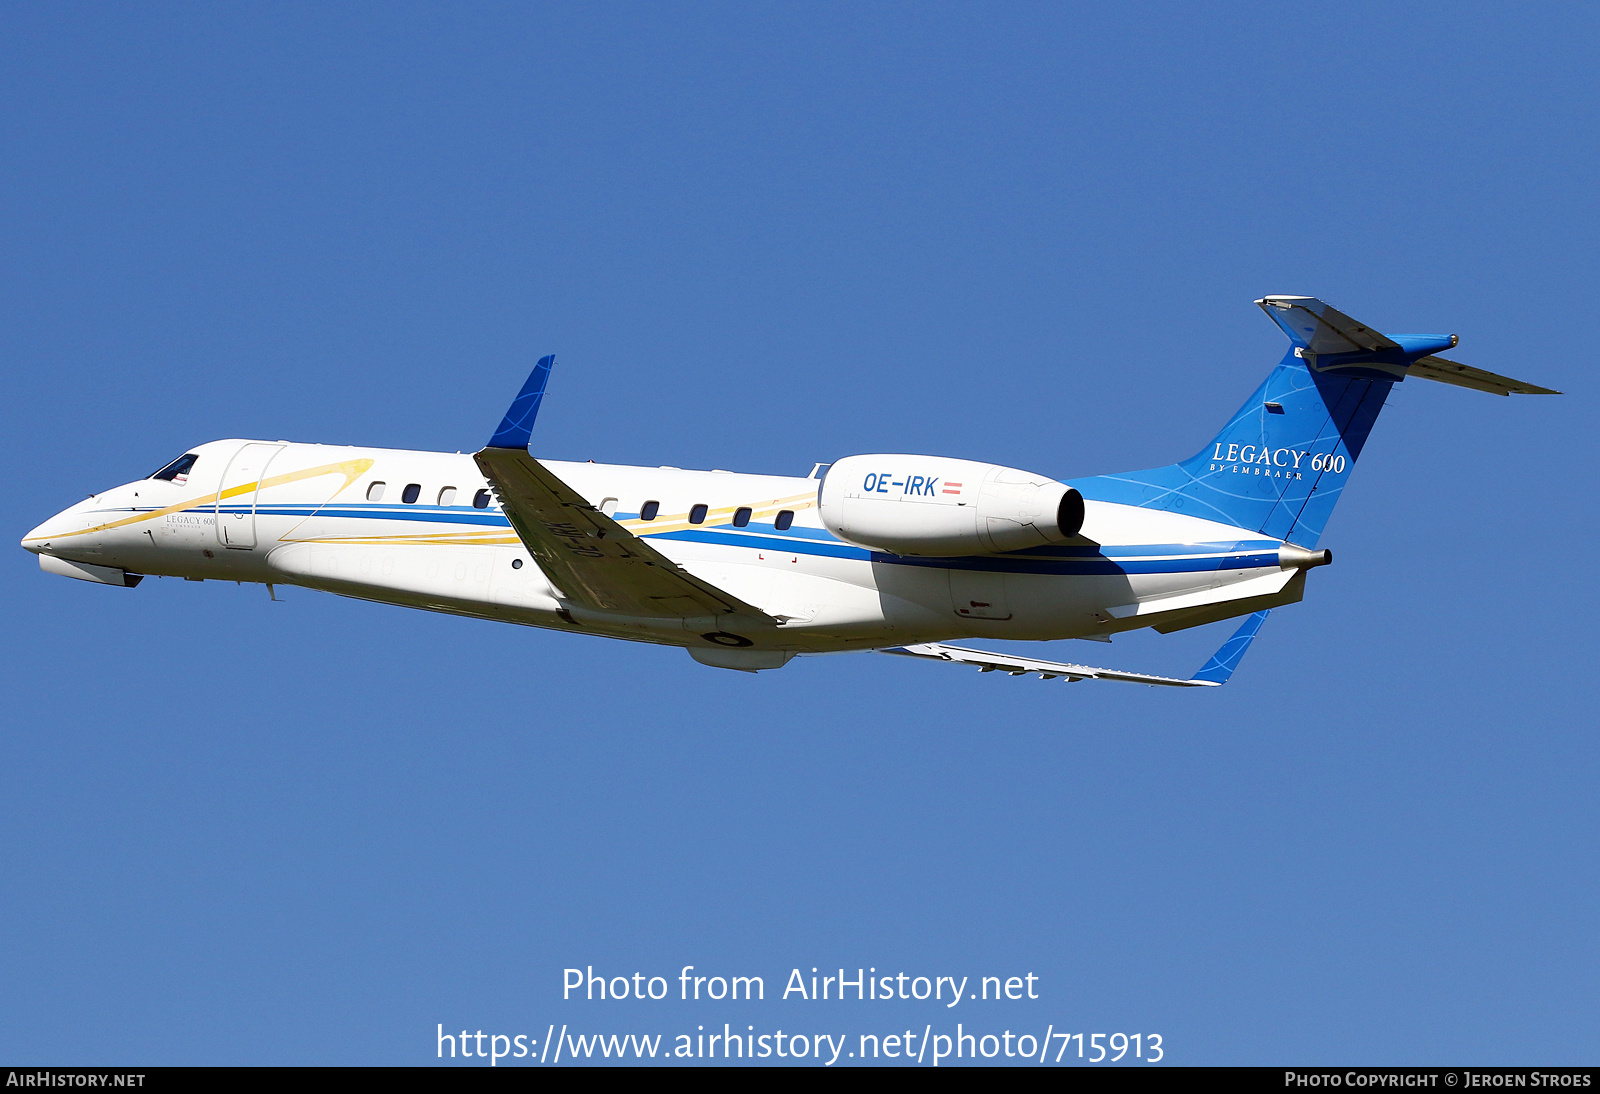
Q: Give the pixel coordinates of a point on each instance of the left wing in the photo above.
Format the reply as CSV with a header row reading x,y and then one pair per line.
x,y
590,558
1214,674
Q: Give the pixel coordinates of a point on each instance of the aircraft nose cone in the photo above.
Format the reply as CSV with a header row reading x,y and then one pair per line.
x,y
41,540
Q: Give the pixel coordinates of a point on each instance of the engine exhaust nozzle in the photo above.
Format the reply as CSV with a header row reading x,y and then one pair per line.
x,y
1291,557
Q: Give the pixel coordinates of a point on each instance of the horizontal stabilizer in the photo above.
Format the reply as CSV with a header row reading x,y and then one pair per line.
x,y
1449,372
1330,341
1319,327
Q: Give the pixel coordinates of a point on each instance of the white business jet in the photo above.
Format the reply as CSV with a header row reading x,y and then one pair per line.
x,y
891,552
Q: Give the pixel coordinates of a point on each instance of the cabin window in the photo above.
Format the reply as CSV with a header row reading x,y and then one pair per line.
x,y
447,496
609,506
375,491
782,521
741,516
649,509
480,500
697,515
516,564
178,470
411,493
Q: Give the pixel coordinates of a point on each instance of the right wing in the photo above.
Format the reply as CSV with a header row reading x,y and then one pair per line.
x,y
1047,670
1213,674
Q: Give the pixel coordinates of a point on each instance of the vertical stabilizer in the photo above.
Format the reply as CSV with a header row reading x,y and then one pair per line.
x,y
1280,463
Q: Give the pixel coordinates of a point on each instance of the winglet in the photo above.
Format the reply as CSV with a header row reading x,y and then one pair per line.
x,y
517,426
1225,660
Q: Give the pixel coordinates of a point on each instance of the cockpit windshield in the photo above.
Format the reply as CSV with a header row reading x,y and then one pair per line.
x,y
178,470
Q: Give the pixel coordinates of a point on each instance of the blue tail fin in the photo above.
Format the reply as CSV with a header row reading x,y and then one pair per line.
x,y
1280,464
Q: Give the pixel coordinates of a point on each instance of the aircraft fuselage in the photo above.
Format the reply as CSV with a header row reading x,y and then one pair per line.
x,y
402,527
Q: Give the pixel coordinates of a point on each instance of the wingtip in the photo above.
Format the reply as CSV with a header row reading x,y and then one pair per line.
x,y
516,428
1220,668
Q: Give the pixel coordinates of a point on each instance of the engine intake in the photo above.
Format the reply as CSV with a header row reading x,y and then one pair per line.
x,y
945,508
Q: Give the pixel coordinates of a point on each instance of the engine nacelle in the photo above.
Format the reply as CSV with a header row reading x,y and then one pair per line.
x,y
932,505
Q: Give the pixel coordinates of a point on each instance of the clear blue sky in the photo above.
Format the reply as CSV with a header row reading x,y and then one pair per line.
x,y
760,236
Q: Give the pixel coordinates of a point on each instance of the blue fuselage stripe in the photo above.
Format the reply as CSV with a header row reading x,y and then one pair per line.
x,y
1149,558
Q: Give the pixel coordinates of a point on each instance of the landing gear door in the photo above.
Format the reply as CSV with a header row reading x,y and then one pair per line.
x,y
236,497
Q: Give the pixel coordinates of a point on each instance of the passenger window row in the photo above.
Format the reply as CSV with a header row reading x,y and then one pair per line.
x,y
650,510
741,516
413,491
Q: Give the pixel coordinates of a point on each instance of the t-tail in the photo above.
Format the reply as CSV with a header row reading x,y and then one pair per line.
x,y
1280,464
